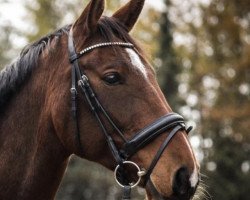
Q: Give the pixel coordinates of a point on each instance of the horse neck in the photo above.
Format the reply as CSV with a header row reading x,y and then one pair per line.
x,y
32,159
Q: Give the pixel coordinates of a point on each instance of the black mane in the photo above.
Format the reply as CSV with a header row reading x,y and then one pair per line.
x,y
14,75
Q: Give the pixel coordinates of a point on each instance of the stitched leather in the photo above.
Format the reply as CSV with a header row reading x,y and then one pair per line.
x,y
152,131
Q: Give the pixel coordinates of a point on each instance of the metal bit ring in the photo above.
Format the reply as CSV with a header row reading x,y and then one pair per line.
x,y
140,173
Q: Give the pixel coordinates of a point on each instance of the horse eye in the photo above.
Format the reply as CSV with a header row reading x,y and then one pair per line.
x,y
112,78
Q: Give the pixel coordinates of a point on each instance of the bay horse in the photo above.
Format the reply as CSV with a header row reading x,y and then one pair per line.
x,y
88,90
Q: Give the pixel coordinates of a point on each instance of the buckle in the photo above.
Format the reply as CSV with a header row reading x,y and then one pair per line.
x,y
73,91
83,81
85,78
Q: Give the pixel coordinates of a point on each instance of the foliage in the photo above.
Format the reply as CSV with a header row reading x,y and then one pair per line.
x,y
170,67
44,16
7,48
5,44
230,114
219,78
48,15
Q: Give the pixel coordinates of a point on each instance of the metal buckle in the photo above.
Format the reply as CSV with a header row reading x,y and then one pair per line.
x,y
81,83
84,79
73,91
140,173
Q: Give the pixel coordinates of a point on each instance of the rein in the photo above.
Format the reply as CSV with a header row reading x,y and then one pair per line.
x,y
172,122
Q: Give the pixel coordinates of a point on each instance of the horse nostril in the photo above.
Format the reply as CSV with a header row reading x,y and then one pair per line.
x,y
181,185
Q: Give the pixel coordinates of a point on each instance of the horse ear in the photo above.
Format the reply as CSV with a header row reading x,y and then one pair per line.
x,y
129,13
90,16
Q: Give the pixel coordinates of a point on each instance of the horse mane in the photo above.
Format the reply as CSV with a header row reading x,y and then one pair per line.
x,y
13,76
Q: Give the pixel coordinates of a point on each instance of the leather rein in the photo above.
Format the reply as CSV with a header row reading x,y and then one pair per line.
x,y
172,122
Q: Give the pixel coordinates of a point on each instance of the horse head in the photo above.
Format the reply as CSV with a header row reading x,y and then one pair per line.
x,y
120,112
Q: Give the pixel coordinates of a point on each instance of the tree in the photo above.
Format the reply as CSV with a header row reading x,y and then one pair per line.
x,y
170,67
45,16
5,45
229,117
219,77
7,48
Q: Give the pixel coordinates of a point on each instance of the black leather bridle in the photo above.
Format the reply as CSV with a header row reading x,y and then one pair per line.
x,y
172,122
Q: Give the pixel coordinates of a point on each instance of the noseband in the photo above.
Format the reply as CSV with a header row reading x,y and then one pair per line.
x,y
171,122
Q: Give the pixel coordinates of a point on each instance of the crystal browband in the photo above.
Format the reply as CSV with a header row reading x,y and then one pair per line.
x,y
104,44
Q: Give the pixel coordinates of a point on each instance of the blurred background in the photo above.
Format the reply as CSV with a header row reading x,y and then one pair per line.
x,y
201,52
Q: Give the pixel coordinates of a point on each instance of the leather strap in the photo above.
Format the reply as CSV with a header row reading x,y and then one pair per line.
x,y
93,102
126,193
152,131
160,152
73,90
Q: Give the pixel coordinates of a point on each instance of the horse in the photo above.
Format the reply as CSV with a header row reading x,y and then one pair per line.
x,y
87,89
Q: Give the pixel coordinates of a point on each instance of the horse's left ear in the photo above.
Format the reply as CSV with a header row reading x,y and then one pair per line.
x,y
129,13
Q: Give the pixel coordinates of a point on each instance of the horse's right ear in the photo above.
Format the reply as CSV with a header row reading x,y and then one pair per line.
x,y
129,13
89,18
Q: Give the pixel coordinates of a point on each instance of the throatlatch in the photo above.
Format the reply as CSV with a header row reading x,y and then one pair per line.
x,y
172,123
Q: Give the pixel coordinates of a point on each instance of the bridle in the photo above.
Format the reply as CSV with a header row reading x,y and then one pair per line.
x,y
172,122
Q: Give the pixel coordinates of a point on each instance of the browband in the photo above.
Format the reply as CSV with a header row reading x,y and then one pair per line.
x,y
104,44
